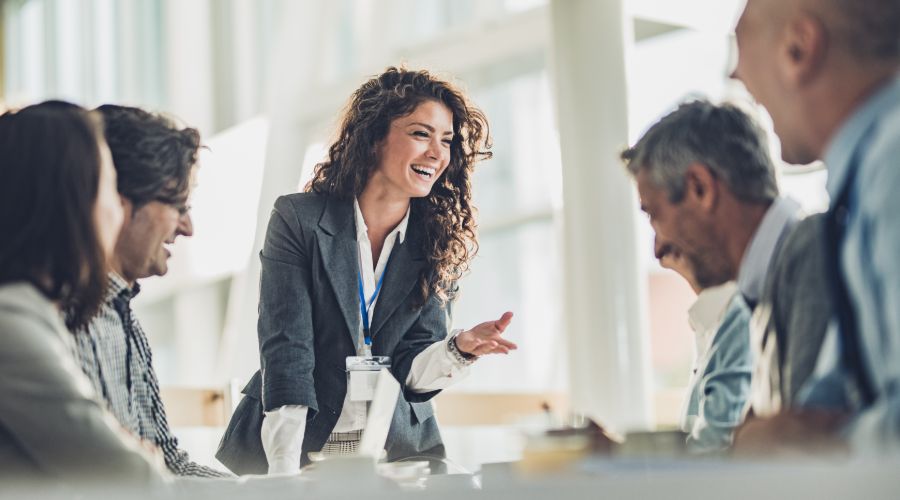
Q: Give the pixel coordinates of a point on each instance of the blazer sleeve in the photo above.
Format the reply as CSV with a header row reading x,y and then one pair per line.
x,y
49,410
285,326
431,326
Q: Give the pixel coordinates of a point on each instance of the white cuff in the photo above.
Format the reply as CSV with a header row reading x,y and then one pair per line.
x,y
435,368
284,465
282,438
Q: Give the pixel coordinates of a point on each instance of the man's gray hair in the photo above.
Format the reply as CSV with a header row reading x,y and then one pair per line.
x,y
868,28
723,138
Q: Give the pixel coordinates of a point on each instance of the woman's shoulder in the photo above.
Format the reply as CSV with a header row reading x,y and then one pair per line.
x,y
304,205
301,200
309,209
28,321
299,209
22,297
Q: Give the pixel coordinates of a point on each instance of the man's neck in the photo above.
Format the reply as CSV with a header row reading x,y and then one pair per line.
x,y
743,221
839,96
115,265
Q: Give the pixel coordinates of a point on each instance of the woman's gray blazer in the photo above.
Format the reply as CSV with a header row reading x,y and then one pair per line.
x,y
308,322
51,423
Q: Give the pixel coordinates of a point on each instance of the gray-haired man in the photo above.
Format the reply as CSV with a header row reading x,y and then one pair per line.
x,y
707,182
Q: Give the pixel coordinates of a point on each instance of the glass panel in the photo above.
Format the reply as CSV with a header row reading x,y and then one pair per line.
x,y
518,270
69,47
693,64
33,60
518,267
430,19
524,176
103,61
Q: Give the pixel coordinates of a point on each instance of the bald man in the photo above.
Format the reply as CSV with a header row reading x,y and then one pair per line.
x,y
827,71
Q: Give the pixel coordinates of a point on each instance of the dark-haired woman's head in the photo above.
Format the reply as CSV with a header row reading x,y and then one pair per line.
x,y
60,213
421,134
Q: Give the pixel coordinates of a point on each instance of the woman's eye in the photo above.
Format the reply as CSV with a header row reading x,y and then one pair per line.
x,y
447,142
420,133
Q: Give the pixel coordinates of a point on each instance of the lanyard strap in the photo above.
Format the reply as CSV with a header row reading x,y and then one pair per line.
x,y
366,305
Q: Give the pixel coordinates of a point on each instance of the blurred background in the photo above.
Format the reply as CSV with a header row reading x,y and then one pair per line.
x,y
566,84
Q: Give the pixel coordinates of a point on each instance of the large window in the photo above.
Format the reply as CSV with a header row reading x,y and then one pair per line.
x,y
518,267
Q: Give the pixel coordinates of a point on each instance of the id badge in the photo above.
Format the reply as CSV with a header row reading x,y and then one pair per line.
x,y
362,375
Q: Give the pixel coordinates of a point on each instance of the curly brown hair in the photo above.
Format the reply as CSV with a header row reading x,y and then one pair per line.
x,y
447,213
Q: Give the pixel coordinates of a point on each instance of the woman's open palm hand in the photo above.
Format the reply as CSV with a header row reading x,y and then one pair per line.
x,y
485,338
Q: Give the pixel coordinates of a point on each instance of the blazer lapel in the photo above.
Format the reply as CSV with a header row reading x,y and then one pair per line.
x,y
340,256
401,276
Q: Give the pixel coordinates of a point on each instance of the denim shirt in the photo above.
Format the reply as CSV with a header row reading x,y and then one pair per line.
x,y
864,157
720,387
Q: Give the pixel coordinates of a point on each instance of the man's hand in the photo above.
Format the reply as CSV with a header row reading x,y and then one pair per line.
x,y
485,338
806,432
670,257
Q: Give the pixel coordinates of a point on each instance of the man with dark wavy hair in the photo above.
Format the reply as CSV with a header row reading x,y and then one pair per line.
x,y
827,71
155,160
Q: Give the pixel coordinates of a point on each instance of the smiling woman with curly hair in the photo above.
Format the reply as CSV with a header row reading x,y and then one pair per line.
x,y
447,212
364,264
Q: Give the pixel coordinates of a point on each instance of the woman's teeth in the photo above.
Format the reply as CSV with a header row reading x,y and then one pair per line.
x,y
423,172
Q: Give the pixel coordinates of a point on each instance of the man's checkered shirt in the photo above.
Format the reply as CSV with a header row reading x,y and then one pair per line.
x,y
115,355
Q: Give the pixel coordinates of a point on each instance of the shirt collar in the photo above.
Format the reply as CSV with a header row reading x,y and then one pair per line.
x,y
780,217
840,150
118,287
362,231
707,311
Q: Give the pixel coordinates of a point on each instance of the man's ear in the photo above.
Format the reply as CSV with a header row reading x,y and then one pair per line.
x,y
701,187
802,49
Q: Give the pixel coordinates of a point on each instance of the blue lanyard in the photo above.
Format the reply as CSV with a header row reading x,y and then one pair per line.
x,y
365,305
